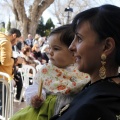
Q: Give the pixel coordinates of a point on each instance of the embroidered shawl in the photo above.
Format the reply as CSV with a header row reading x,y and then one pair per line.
x,y
59,80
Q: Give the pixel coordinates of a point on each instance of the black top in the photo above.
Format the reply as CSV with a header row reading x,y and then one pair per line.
x,y
19,45
37,55
98,101
45,57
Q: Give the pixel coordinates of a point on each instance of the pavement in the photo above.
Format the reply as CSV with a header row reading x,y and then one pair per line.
x,y
17,106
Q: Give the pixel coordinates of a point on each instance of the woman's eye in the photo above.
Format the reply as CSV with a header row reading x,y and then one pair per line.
x,y
79,39
56,49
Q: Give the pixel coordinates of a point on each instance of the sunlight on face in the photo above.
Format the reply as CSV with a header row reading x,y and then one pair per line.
x,y
59,53
37,48
86,48
15,40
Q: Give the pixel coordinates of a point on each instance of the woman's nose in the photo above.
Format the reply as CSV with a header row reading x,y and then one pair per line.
x,y
72,47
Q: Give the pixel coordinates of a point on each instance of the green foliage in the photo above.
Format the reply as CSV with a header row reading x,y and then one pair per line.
x,y
41,27
47,32
44,30
2,30
2,27
49,24
9,25
3,24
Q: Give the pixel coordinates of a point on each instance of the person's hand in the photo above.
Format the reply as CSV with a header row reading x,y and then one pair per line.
x,y
36,102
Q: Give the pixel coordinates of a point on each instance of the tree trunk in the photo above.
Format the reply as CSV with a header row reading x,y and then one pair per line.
x,y
29,23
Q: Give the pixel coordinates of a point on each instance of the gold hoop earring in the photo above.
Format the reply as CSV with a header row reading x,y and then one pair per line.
x,y
102,71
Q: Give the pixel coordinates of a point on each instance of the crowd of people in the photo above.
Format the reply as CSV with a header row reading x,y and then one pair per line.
x,y
15,51
30,51
81,79
62,80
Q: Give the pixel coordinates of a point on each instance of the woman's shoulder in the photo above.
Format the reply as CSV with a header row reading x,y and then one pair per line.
x,y
90,110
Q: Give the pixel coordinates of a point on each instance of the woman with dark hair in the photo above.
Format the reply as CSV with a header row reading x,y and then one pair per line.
x,y
28,59
36,53
96,47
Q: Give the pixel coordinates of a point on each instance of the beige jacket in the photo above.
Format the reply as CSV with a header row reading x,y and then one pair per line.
x,y
6,60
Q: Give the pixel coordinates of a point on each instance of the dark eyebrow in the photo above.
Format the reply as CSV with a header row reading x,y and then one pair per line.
x,y
79,34
57,46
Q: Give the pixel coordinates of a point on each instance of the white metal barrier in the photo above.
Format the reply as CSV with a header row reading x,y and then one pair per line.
x,y
25,75
7,96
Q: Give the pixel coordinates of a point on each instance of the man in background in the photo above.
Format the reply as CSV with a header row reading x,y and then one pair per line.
x,y
6,60
29,40
6,43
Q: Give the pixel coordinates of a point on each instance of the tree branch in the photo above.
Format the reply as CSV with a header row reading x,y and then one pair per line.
x,y
39,6
19,10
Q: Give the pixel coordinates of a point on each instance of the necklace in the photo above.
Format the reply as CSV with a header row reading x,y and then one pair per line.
x,y
107,78
116,76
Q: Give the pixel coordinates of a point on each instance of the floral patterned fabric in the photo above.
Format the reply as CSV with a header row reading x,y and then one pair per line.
x,y
58,80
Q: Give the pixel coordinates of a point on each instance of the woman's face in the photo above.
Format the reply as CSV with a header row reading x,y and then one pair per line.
x,y
87,49
59,53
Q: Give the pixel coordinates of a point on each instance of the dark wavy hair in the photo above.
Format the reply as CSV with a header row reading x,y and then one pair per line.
x,y
26,49
14,31
66,34
105,21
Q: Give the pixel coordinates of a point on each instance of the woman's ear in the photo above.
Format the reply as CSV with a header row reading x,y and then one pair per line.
x,y
109,45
